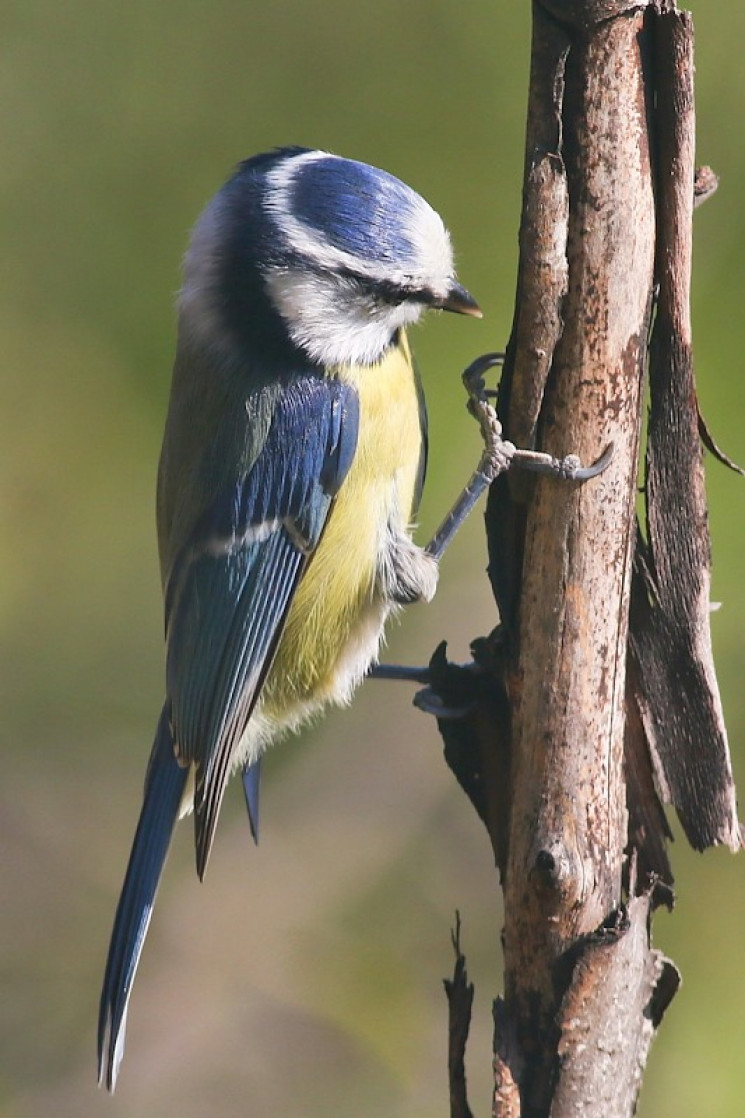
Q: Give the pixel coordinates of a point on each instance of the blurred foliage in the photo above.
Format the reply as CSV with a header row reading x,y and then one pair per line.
x,y
303,977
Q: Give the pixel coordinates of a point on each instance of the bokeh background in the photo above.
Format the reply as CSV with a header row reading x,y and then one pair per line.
x,y
302,977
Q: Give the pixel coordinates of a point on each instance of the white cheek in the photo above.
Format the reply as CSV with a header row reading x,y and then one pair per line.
x,y
334,323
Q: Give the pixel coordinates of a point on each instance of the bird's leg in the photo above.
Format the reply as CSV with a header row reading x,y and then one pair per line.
x,y
499,455
400,672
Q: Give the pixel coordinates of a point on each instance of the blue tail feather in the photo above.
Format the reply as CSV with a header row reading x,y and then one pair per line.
x,y
164,789
251,783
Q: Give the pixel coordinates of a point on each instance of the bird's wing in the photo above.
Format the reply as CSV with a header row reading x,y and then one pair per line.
x,y
230,589
424,429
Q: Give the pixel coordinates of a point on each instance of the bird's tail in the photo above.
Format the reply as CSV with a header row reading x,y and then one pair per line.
x,y
164,787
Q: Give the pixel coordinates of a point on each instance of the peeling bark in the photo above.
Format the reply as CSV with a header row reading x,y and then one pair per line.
x,y
608,1016
677,693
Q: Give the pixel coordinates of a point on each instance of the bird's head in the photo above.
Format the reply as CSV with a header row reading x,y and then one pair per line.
x,y
325,254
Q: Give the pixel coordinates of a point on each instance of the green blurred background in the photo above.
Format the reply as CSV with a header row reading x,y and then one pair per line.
x,y
302,977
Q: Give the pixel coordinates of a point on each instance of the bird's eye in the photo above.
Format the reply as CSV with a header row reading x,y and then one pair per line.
x,y
397,293
393,293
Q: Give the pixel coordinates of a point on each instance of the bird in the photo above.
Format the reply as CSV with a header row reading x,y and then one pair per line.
x,y
292,465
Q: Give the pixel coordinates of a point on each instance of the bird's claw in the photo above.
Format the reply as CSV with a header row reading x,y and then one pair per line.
x,y
430,702
500,454
569,468
473,376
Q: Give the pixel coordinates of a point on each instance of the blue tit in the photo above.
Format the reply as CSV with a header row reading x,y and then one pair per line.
x,y
292,466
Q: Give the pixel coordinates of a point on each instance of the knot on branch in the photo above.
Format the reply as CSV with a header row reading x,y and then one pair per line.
x,y
557,869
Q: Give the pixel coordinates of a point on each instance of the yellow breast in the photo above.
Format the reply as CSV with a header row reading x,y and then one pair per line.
x,y
336,619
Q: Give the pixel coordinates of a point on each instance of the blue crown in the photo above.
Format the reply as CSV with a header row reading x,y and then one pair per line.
x,y
357,208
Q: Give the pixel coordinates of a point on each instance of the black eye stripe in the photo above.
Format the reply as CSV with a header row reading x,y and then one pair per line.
x,y
383,290
386,290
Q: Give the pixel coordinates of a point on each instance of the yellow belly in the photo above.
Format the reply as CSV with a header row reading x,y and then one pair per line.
x,y
336,619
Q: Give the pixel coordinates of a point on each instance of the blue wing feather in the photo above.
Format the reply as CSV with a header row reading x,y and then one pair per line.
x,y
227,596
220,634
230,590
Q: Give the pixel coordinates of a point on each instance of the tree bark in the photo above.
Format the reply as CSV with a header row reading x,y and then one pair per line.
x,y
565,754
564,867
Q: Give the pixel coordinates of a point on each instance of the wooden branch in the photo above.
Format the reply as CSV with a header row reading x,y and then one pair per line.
x,y
576,726
603,1054
460,1001
564,867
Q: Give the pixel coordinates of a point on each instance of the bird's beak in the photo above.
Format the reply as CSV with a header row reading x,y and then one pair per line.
x,y
460,301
